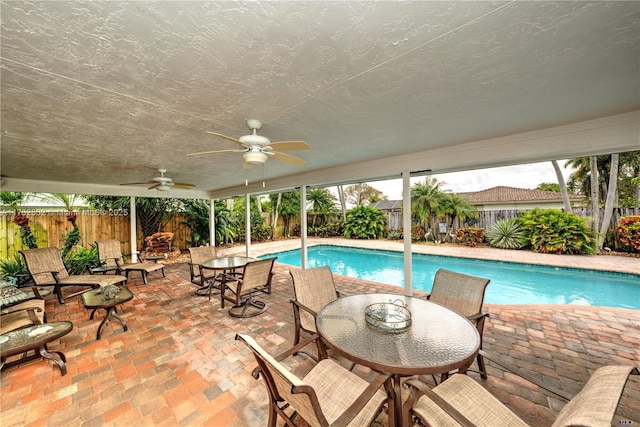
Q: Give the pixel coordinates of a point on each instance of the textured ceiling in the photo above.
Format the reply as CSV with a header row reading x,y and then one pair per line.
x,y
99,93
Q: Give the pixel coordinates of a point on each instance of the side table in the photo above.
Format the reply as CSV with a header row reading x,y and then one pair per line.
x,y
34,338
95,299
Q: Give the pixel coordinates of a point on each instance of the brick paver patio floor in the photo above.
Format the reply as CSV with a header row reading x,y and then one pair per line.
x,y
178,365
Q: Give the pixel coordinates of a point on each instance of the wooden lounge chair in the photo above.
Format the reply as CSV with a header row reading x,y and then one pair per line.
x,y
313,288
461,401
110,256
255,278
463,294
328,395
47,269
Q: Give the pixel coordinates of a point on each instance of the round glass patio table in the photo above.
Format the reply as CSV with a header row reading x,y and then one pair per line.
x,y
438,340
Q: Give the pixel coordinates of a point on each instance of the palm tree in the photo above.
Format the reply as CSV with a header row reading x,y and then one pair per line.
x,y
428,199
323,204
460,207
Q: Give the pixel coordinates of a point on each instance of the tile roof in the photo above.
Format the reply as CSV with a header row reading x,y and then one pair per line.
x,y
512,194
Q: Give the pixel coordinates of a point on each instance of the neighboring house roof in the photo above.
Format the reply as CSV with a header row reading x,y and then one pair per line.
x,y
502,194
495,195
388,205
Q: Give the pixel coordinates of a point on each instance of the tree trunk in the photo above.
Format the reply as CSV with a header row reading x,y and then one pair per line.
x,y
595,211
343,204
274,216
611,198
563,186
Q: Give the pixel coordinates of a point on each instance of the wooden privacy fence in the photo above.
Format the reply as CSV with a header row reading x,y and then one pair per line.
x,y
50,228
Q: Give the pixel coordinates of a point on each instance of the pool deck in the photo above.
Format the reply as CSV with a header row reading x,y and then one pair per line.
x,y
179,365
611,263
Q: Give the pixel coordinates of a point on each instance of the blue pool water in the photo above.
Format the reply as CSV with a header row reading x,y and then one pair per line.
x,y
511,283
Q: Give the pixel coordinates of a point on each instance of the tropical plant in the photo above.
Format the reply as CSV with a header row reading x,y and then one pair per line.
x,y
323,204
506,234
629,231
196,215
365,222
427,199
557,232
13,200
79,260
470,236
15,268
288,206
226,229
394,235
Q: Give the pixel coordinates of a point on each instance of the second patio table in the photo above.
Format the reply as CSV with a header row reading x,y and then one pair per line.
x,y
225,265
439,340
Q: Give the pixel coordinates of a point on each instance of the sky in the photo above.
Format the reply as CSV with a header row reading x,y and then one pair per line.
x,y
520,176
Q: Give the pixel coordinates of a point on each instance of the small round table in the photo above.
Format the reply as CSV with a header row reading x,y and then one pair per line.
x,y
95,299
438,340
34,338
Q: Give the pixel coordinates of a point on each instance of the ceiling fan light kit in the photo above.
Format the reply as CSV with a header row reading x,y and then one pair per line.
x,y
255,157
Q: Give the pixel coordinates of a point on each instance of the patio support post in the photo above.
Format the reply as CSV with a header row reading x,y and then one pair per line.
x,y
132,226
212,223
406,226
247,223
303,224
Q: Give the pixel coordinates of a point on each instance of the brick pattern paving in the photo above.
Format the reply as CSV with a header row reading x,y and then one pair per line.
x,y
178,365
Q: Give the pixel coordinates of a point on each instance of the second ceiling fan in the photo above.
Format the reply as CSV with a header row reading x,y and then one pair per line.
x,y
257,149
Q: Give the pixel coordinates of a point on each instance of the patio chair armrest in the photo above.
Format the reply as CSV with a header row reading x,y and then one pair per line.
x,y
354,409
479,315
341,294
279,358
304,307
419,388
527,376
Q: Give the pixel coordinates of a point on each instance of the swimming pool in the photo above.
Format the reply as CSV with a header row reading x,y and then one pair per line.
x,y
511,283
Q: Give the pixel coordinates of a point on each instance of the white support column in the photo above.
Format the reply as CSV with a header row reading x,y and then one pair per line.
x,y
303,224
247,225
212,223
133,238
406,225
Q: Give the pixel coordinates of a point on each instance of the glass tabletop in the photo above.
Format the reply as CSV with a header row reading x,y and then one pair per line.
x,y
96,299
438,339
226,263
20,340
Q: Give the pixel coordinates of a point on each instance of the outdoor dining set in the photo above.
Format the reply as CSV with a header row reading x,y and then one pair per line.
x,y
416,351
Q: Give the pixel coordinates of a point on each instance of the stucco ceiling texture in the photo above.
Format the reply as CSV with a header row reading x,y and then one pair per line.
x,y
99,93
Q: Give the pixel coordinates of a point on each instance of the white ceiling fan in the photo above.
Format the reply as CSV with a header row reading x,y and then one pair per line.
x,y
162,183
257,149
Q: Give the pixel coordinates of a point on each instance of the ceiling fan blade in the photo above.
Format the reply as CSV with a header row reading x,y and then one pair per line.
x,y
183,185
153,186
216,151
138,183
288,158
225,137
290,145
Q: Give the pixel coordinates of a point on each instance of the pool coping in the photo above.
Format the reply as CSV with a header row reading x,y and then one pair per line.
x,y
610,263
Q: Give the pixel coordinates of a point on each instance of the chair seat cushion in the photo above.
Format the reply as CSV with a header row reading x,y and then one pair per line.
x,y
471,399
85,279
337,388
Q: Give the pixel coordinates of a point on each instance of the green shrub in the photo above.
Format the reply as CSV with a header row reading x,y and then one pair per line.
x,y
417,233
470,236
557,232
364,222
261,233
506,234
629,231
14,270
394,235
78,261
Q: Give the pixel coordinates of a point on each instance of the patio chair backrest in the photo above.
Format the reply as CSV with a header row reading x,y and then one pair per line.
x,y
314,288
256,274
41,262
460,292
597,401
109,253
284,386
200,254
